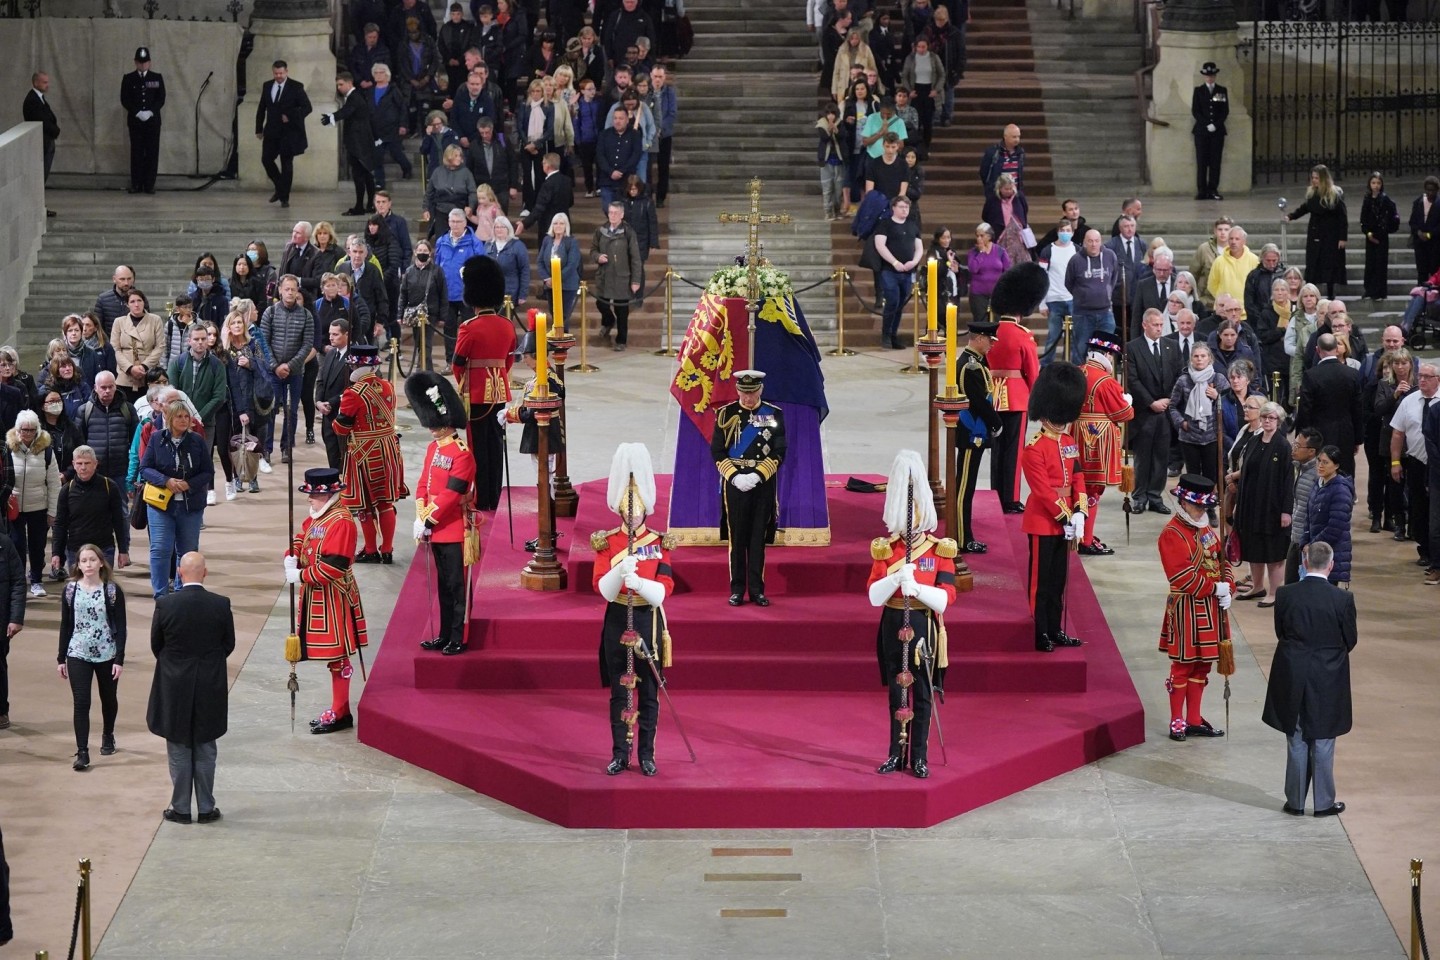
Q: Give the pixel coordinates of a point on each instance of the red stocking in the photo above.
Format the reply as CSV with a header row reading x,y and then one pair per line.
x,y
1093,502
386,513
1196,689
367,531
1176,684
340,671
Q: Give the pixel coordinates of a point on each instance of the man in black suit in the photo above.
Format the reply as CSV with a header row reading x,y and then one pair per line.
x,y
1129,249
490,162
1153,285
1210,107
1425,229
556,194
359,140
280,126
192,633
330,383
1152,365
1330,402
36,109
1308,694
142,95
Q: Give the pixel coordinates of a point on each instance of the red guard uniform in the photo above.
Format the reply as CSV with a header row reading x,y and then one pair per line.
x,y
442,499
1099,434
1014,367
1051,463
1190,633
652,550
934,561
331,618
484,353
374,468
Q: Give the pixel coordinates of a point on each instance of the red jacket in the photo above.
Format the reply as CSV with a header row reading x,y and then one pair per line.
x,y
1194,563
446,489
1014,366
1051,466
1099,425
484,353
651,549
331,620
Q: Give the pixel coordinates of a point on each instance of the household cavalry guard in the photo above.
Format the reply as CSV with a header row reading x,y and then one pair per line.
x,y
374,468
748,446
979,425
331,620
443,501
1106,406
912,577
632,572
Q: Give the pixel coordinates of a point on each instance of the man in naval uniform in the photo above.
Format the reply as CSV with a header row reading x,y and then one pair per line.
x,y
980,424
748,446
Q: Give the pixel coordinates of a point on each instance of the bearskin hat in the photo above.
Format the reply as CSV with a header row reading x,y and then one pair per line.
x,y
484,283
1019,291
1058,393
434,400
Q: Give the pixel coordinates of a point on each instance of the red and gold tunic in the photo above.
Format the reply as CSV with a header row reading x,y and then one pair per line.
x,y
1099,426
1194,563
446,489
1014,366
484,353
374,468
1051,465
934,560
331,619
651,550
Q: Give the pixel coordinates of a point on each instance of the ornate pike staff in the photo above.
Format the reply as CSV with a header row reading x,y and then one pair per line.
x,y
292,641
631,636
1225,665
905,679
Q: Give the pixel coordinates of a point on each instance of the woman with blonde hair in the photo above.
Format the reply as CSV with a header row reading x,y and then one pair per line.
x,y
487,208
854,52
451,185
1304,321
1326,232
565,91
564,139
252,393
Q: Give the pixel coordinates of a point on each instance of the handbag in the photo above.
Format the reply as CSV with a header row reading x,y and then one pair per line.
x,y
139,516
1232,546
245,455
157,496
12,508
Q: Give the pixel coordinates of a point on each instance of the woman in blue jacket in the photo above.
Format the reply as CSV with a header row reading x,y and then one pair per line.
x,y
559,243
514,260
1328,518
452,249
178,460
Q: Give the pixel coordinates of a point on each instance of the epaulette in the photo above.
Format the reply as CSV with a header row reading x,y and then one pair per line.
x,y
880,547
601,538
669,541
946,547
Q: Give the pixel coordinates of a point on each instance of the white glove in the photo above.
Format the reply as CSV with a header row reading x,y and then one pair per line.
x,y
1069,526
1222,590
292,575
631,581
883,589
910,588
932,597
421,530
629,565
651,591
1128,399
1225,600
611,582
378,142
1209,128
502,416
906,573
745,482
144,115
291,563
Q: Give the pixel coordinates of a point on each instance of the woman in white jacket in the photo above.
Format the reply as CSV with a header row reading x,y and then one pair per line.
x,y
37,490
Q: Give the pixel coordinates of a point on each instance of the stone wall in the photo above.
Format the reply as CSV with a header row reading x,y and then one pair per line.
x,y
22,197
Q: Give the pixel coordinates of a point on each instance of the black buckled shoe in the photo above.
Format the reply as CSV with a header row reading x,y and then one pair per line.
x,y
760,600
616,766
1065,640
921,769
647,767
1043,644
1095,548
974,546
363,557
327,722
1014,508
890,765
736,599
533,545
107,744
1202,729
435,643
1137,508
1161,509
388,559
1177,730
453,648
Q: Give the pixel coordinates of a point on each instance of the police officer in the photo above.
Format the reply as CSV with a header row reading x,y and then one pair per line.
x,y
1210,106
748,446
142,95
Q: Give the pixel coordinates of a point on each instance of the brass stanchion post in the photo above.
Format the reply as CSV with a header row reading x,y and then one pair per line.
x,y
566,500
584,366
85,952
669,349
949,404
544,571
1416,868
1066,325
916,366
840,277
933,348
422,327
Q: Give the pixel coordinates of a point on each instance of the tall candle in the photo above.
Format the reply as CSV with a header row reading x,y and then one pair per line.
x,y
949,349
557,304
931,299
542,369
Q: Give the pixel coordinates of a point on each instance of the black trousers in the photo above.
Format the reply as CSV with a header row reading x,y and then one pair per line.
x,y
748,516
1049,572
449,561
4,674
28,532
647,695
452,329
1292,564
487,445
1005,459
615,314
1200,458
967,475
585,160
281,174
1417,491
334,446
1150,442
1209,148
925,106
81,672
364,181
1379,462
921,690
1377,267
220,431
144,153
662,168
307,392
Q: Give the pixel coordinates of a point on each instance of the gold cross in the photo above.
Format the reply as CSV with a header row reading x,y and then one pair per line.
x,y
753,219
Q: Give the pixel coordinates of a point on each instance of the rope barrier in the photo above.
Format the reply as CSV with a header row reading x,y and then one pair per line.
x,y
75,924
1419,922
874,309
1419,948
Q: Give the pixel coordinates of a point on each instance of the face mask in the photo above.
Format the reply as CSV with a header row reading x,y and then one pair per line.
x,y
252,255
204,286
1065,236
422,257
54,409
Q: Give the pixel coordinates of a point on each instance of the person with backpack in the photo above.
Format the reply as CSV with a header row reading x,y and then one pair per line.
x,y
106,423
92,643
202,377
37,489
89,510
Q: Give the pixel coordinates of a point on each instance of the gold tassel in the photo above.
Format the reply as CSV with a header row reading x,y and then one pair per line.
x,y
942,646
1127,478
471,553
665,647
292,648
1226,666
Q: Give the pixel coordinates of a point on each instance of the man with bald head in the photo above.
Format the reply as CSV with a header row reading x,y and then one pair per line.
x,y
191,635
107,422
1007,156
114,303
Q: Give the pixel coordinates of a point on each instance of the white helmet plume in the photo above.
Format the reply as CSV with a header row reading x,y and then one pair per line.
x,y
908,468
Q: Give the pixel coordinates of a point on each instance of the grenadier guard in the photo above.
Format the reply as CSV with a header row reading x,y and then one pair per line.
x,y
1106,406
374,468
1014,367
912,577
979,426
1055,511
484,353
1201,587
331,621
632,572
443,500
748,446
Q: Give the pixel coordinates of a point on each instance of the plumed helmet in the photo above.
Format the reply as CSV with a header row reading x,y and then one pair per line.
x,y
631,465
434,400
907,474
484,283
1058,393
1019,291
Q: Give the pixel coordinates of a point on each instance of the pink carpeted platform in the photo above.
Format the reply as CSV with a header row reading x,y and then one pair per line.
x,y
783,705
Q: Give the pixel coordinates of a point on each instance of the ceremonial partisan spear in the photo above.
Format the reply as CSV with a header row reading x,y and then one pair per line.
x,y
907,633
1226,663
292,642
1127,467
631,636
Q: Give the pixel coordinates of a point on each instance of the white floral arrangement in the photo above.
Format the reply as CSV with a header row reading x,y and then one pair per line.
x,y
735,282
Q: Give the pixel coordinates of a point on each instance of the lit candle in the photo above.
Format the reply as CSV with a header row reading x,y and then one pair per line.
x,y
542,369
932,310
949,349
558,305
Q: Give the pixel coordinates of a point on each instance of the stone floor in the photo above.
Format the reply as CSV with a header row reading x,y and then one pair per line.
x,y
329,849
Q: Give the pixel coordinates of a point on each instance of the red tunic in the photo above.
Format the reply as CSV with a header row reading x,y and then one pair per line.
x,y
934,561
1194,563
1099,426
1014,366
374,468
1051,465
446,489
651,549
484,353
331,619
